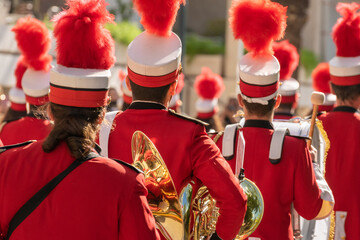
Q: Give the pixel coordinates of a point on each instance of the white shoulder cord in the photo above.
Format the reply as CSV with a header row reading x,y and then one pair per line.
x,y
104,133
240,151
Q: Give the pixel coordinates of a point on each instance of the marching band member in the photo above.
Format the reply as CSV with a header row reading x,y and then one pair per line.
x,y
342,124
17,99
209,87
101,198
153,70
33,40
175,102
288,58
321,83
126,92
280,165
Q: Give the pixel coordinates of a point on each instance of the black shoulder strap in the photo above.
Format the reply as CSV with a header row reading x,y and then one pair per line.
x,y
127,165
172,112
35,200
7,147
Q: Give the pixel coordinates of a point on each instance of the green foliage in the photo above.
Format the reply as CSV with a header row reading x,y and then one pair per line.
x,y
49,24
200,45
308,60
123,32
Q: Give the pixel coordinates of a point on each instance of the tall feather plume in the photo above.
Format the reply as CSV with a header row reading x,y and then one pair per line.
x,y
209,85
288,57
257,23
321,78
34,42
19,71
346,31
82,40
158,16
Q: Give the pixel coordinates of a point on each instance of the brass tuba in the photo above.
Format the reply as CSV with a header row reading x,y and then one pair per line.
x,y
199,202
194,214
162,196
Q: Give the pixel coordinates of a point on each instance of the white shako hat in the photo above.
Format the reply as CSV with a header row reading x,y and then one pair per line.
x,y
288,58
258,69
33,40
345,66
16,93
154,56
85,53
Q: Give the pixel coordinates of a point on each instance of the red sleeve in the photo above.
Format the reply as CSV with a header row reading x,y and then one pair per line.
x,y
307,199
136,221
213,170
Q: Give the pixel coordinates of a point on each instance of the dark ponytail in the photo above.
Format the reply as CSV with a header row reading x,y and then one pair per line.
x,y
76,126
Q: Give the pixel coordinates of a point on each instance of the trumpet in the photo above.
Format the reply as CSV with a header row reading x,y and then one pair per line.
x,y
193,214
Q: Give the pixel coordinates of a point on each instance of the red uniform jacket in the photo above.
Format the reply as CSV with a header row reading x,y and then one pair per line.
x,y
290,181
25,129
101,199
187,151
342,126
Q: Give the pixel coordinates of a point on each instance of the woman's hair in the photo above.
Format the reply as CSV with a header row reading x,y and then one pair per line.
x,y
76,126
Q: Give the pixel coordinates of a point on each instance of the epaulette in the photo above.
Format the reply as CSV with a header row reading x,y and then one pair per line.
x,y
128,165
172,112
7,147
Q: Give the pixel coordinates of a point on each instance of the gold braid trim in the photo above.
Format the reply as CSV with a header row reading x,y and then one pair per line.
x,y
327,142
332,226
327,147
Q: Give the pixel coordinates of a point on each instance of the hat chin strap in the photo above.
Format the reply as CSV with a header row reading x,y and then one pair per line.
x,y
262,100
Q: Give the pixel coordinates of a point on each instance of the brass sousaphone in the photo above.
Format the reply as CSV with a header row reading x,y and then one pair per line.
x,y
194,214
162,196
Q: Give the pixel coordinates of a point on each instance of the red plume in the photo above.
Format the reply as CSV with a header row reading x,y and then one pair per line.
x,y
321,78
34,42
257,23
209,85
82,40
158,16
19,71
288,57
180,84
346,31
